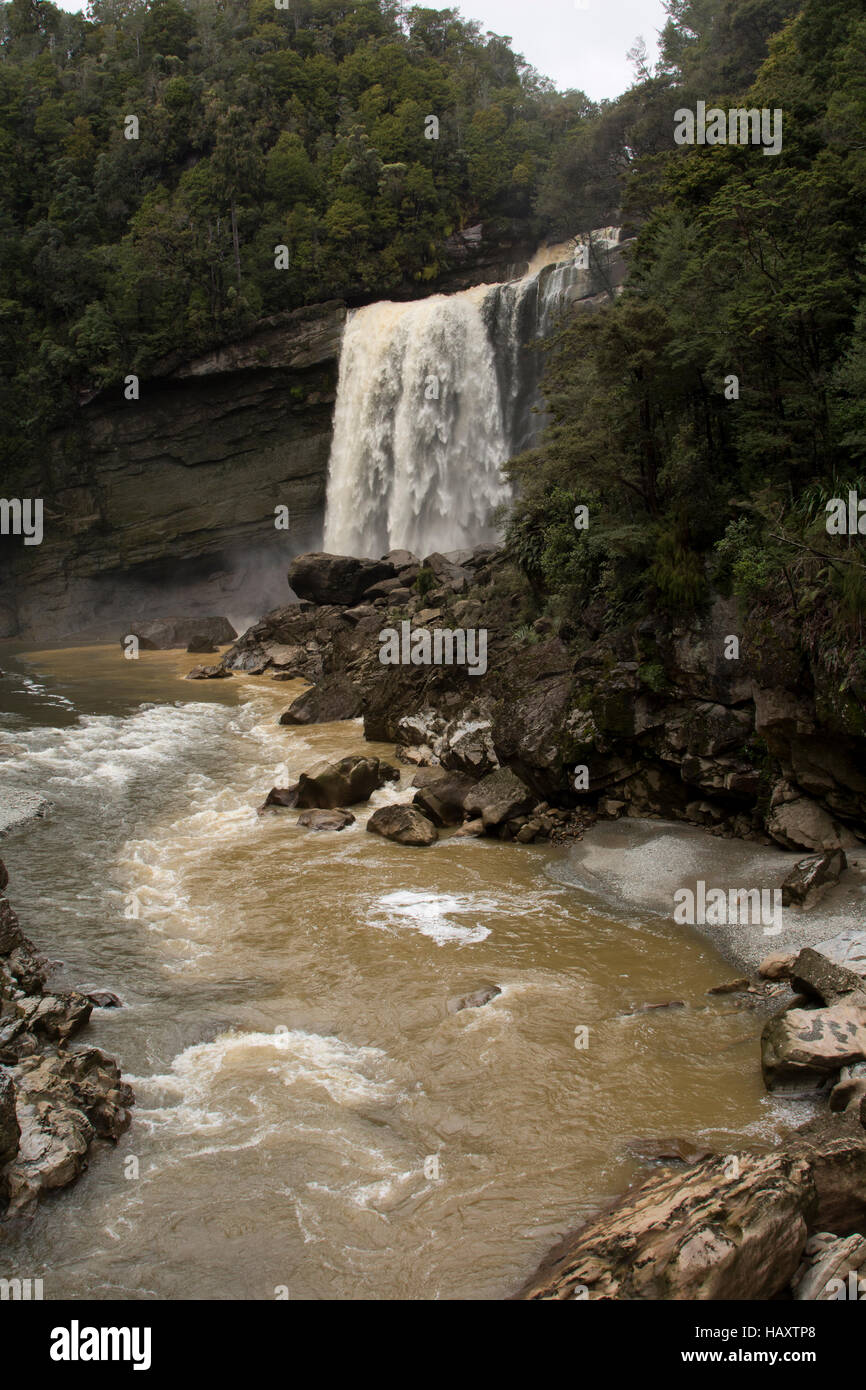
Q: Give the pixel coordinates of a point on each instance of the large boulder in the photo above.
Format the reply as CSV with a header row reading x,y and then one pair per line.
x,y
441,797
802,1049
832,968
403,824
702,1234
341,579
335,699
345,783
829,1263
798,822
449,575
498,798
163,634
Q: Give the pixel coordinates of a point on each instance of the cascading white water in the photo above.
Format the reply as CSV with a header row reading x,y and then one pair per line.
x,y
433,397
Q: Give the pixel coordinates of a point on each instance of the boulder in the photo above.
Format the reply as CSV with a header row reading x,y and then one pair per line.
x,y
475,1000
450,575
201,646
57,1016
207,673
471,830
797,822
716,1231
777,966
345,783
9,1128
404,825
809,880
279,796
850,1089
805,1048
441,798
104,999
340,579
832,968
499,797
10,932
163,634
326,820
337,698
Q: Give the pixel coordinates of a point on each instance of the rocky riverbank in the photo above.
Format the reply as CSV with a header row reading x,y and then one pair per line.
x,y
644,722
56,1101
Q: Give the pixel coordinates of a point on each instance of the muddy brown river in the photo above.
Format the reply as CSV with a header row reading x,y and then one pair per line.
x,y
311,1121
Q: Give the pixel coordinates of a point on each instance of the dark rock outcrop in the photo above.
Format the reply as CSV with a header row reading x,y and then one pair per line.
x,y
339,579
345,783
53,1103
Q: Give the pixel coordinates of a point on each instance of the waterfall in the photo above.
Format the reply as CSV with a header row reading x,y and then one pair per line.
x,y
433,397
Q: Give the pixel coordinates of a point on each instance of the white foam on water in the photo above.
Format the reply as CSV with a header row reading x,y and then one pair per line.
x,y
428,913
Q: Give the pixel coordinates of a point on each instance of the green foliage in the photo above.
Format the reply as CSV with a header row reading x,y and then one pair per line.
x,y
425,580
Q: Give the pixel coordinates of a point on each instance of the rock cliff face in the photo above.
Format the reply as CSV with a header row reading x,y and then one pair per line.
x,y
167,503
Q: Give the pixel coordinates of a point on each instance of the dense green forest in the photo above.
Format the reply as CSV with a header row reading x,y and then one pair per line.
x,y
257,127
307,127
745,267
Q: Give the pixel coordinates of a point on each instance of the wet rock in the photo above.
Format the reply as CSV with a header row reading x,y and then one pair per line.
x,y
339,579
403,824
826,1271
476,1000
104,999
701,1234
499,797
167,633
10,931
832,968
58,1016
804,1048
685,1151
207,673
64,1102
809,880
470,830
345,783
442,797
732,987
9,1128
326,820
336,699
777,966
278,797
654,1008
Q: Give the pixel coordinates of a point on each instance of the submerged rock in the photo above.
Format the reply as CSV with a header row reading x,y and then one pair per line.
x,y
476,1000
404,825
326,820
207,673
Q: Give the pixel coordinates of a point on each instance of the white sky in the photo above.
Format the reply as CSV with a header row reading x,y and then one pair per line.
x,y
578,43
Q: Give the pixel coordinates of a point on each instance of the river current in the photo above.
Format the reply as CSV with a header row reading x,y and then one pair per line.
x,y
311,1120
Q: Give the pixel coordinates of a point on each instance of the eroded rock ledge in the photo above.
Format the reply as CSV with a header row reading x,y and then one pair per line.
x,y
55,1102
